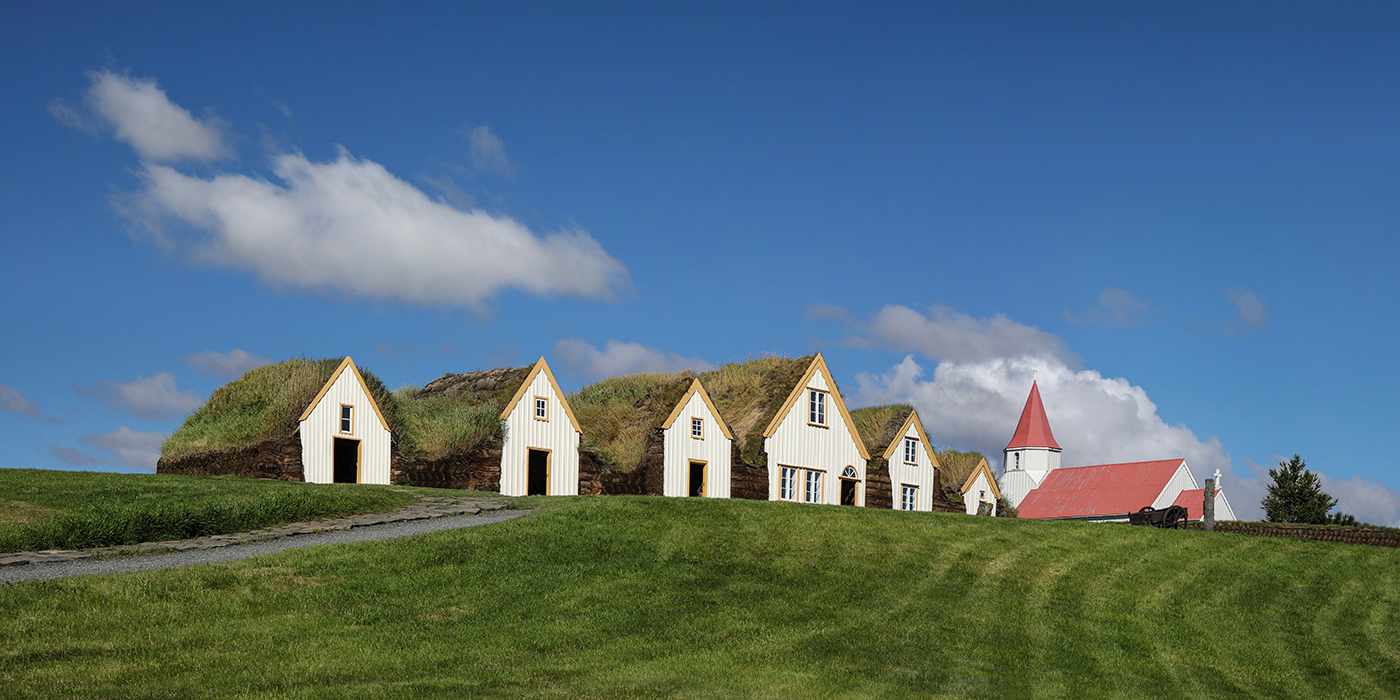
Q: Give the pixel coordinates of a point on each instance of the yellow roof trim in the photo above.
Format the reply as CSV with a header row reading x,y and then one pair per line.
x,y
904,430
819,363
705,396
982,468
336,375
525,386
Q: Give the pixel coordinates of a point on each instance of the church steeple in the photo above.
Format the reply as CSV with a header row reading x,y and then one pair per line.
x,y
1034,428
1032,453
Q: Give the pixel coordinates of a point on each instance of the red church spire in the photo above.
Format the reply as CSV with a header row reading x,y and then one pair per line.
x,y
1034,428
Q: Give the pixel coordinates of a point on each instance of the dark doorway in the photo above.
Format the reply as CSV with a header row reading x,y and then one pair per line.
x,y
346,464
539,473
848,492
697,480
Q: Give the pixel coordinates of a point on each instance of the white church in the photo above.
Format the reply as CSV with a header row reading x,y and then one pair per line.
x,y
1035,484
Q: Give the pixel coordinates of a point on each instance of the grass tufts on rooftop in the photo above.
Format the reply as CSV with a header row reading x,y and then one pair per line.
x,y
954,467
264,403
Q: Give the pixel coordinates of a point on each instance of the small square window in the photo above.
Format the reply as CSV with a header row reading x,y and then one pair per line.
x,y
541,408
347,415
816,407
911,451
697,428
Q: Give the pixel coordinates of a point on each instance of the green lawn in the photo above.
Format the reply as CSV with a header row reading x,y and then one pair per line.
x,y
638,596
44,509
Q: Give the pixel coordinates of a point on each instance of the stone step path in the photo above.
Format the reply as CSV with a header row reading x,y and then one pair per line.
x,y
431,507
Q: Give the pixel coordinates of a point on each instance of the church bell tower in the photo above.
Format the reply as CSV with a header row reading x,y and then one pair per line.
x,y
1032,453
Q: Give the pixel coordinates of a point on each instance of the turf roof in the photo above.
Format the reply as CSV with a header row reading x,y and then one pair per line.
x,y
879,425
457,412
265,403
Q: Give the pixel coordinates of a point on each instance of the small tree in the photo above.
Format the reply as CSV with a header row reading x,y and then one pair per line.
x,y
1296,495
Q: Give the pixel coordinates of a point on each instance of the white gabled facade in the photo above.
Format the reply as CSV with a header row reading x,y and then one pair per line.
x,y
343,427
814,452
695,439
980,488
913,467
539,419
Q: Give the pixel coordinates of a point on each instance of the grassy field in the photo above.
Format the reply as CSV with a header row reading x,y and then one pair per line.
x,y
44,509
638,596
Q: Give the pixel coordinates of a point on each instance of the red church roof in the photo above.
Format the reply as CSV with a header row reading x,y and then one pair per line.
x,y
1034,428
1104,489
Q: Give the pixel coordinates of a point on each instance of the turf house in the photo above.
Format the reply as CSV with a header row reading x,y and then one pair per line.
x,y
980,493
321,421
815,454
913,466
539,455
697,448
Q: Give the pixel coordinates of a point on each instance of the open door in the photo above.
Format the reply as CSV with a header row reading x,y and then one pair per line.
x,y
697,480
850,486
539,473
345,467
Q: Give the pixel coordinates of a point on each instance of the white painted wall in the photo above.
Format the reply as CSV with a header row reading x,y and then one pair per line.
x,y
322,426
1016,485
681,448
830,449
1039,461
1181,480
980,485
523,431
1223,511
921,474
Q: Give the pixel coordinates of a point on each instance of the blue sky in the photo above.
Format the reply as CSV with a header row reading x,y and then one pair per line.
x,y
1180,216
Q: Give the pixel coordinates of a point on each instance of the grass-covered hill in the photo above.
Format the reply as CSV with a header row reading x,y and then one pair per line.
x,y
265,403
456,412
641,596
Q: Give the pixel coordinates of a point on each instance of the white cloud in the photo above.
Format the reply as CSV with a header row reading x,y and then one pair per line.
x,y
14,401
76,458
349,225
156,397
135,448
1116,307
1369,501
585,360
488,151
230,364
982,377
1251,309
140,114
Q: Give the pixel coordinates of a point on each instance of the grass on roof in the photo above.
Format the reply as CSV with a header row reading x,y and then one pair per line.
x,y
618,414
264,403
954,467
879,425
457,412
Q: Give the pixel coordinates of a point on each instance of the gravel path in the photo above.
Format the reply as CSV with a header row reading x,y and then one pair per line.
x,y
91,567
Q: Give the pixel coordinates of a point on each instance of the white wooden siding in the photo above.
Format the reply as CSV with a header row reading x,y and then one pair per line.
x,y
557,435
319,430
1016,485
1181,480
920,474
979,485
830,449
680,448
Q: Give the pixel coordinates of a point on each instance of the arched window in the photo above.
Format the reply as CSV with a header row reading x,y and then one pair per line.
x,y
850,473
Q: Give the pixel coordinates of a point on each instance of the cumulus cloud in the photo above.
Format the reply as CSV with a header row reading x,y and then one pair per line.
x,y
488,151
582,359
139,113
135,448
1369,501
983,369
1116,307
156,397
1251,309
349,225
231,364
14,401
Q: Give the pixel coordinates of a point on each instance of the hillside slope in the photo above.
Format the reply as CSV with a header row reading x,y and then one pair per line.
x,y
631,596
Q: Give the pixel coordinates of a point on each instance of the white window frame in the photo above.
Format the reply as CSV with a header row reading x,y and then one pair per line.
x,y
812,487
787,484
911,451
817,407
697,428
908,497
542,408
347,421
